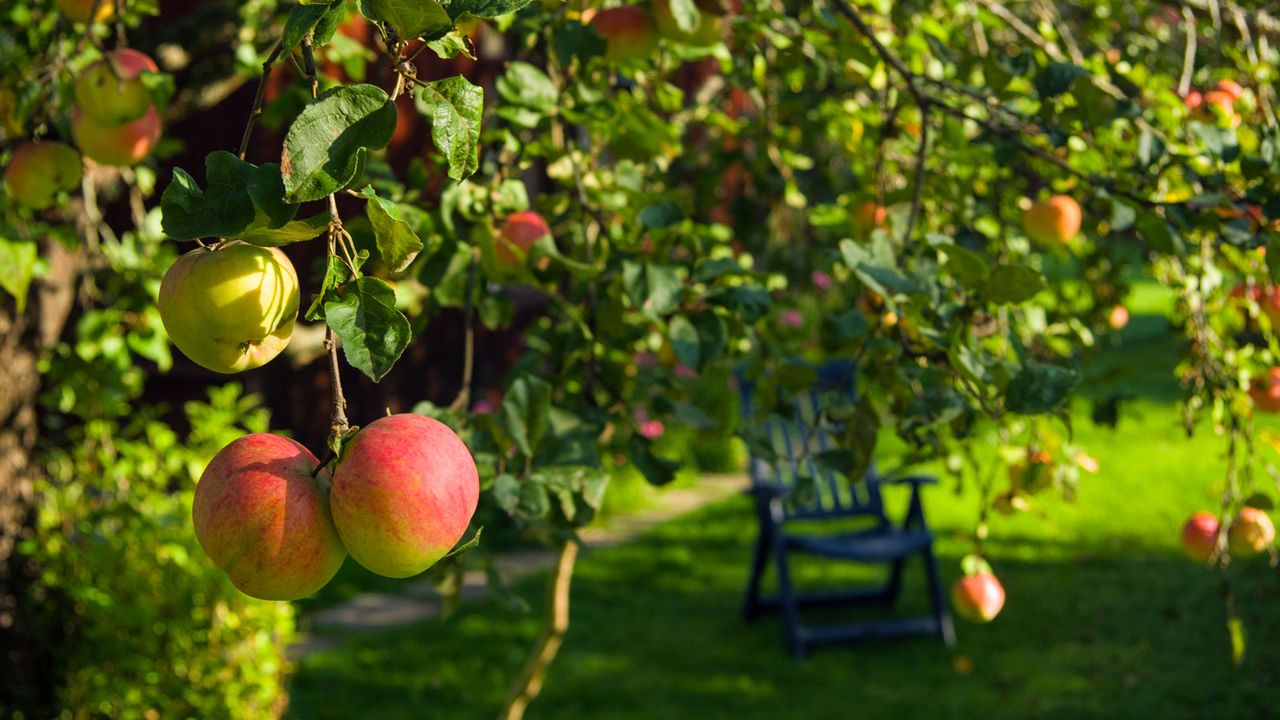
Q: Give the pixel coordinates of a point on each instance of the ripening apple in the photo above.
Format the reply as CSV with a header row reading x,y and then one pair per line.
x,y
1230,87
1193,100
1265,391
1250,533
120,145
1219,106
264,520
709,31
1118,317
1054,221
38,171
1200,536
870,216
520,230
403,494
978,598
111,92
80,10
627,30
230,309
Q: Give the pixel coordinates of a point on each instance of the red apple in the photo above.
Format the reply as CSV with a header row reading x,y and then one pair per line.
x,y
520,231
978,597
1251,532
403,494
627,30
1265,391
1118,317
1054,221
1230,87
1193,100
263,519
122,145
1200,536
38,171
111,92
1220,106
870,216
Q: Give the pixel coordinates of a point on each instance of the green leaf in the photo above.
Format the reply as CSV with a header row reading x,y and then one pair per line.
x,y
684,340
968,266
397,242
686,14
485,8
291,232
527,86
18,258
1012,284
1039,388
410,18
325,148
656,470
222,210
452,45
374,333
1056,79
302,19
1235,628
453,107
336,273
463,548
973,564
160,87
526,408
1158,233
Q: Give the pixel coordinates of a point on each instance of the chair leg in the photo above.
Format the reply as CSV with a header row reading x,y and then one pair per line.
x,y
941,613
892,588
759,561
790,608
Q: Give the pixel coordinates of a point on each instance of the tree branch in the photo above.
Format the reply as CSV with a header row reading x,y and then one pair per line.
x,y
556,623
1189,55
256,112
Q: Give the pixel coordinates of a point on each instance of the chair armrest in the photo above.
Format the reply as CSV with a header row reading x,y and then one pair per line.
x,y
767,491
915,480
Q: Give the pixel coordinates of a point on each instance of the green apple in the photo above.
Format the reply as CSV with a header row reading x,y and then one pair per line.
x,y
230,309
119,145
111,92
38,171
81,10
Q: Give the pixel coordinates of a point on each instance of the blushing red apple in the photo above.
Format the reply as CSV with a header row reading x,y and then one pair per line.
x,y
628,32
111,92
978,598
38,171
403,494
119,145
1055,221
1200,536
519,233
1118,317
1265,391
263,519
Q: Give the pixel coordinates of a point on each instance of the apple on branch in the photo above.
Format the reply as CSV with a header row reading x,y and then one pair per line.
x,y
38,171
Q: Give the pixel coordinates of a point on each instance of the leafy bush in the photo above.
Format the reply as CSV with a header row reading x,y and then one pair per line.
x,y
146,626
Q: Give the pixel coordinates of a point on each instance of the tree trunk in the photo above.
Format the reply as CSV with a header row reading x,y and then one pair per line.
x,y
529,684
26,679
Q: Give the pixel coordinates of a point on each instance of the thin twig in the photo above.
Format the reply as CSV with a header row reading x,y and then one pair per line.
x,y
1188,55
463,399
258,98
917,189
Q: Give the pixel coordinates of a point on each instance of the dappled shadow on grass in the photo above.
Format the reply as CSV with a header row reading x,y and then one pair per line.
x,y
656,634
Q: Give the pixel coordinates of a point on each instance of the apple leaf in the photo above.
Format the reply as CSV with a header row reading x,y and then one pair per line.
x,y
305,18
526,412
1039,388
684,340
325,148
657,470
336,274
291,232
686,15
453,107
222,210
452,45
374,333
18,258
484,8
1012,284
397,242
527,86
410,18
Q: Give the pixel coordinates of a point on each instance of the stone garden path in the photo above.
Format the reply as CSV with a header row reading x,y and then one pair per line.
x,y
419,600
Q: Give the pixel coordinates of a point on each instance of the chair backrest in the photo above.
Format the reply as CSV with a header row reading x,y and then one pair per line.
x,y
813,490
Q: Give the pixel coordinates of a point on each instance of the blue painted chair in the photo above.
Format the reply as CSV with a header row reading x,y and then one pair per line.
x,y
780,505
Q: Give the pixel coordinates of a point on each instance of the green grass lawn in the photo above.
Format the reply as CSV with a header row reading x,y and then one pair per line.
x,y
1104,618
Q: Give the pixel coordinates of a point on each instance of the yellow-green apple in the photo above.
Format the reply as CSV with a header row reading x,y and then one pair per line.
x,y
627,30
264,520
1265,391
230,309
709,30
38,171
519,233
125,144
978,597
81,11
403,493
1054,221
1250,533
111,92
1118,317
1200,536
